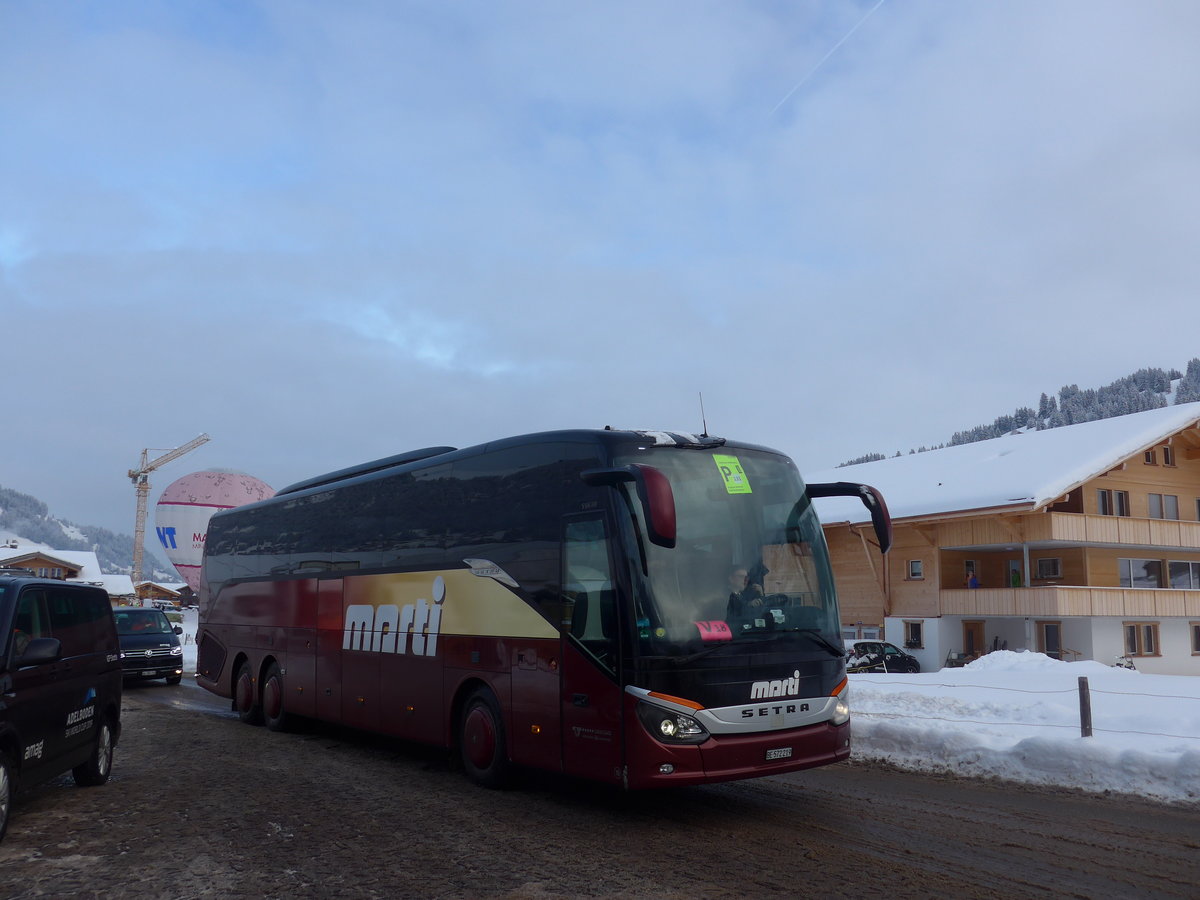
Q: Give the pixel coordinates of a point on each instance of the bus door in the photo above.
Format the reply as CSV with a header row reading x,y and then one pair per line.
x,y
592,739
331,620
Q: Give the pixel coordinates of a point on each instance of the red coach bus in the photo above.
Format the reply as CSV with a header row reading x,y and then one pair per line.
x,y
640,608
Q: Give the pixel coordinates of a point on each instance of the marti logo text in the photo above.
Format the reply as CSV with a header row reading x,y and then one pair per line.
x,y
386,629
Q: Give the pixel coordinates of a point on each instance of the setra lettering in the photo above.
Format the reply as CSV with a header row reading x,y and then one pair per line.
x,y
386,629
782,709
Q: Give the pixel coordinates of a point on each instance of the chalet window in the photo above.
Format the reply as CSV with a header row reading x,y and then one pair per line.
x,y
1164,506
1049,568
859,631
1141,638
1184,575
1112,503
1194,628
1168,456
913,635
1049,639
1150,458
1140,573
916,570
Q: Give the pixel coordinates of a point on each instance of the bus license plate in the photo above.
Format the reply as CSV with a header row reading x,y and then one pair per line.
x,y
779,753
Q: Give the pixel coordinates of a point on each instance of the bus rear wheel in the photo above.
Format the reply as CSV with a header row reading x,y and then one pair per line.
x,y
275,714
245,697
482,744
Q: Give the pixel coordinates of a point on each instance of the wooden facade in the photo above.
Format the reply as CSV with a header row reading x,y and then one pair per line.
x,y
43,565
1119,551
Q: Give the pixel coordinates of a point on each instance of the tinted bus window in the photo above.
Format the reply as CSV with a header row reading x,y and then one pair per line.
x,y
516,499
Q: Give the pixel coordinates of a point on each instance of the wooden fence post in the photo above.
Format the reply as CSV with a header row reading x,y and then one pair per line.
x,y
1085,707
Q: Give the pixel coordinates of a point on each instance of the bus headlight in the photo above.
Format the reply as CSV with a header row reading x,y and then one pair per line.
x,y
669,726
841,707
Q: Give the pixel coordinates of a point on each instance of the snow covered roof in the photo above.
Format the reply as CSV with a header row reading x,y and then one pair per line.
x,y
1026,470
84,560
116,585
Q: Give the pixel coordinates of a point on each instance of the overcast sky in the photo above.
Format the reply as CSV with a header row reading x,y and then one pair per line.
x,y
325,232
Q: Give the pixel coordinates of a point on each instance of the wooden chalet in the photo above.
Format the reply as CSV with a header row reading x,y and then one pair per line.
x,y
1082,542
41,563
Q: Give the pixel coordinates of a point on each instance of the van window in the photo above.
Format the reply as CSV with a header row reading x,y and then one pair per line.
x,y
30,621
76,618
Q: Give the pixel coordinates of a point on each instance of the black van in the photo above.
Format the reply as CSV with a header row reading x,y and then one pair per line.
x,y
60,684
150,645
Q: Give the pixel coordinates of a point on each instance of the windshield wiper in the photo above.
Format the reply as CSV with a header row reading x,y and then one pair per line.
x,y
822,640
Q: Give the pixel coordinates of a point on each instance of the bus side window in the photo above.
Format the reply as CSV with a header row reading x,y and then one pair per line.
x,y
587,580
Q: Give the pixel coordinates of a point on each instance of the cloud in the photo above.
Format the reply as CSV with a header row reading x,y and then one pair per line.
x,y
341,232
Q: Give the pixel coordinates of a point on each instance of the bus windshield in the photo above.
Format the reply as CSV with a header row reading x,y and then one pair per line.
x,y
750,561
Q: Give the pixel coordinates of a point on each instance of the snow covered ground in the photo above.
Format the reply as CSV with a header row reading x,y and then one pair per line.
x,y
1016,716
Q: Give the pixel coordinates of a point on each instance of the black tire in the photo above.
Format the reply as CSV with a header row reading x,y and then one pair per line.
x,y
8,788
482,744
96,769
913,667
245,697
174,679
274,701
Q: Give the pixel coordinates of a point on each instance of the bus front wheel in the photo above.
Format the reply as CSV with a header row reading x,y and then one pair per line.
x,y
481,740
245,697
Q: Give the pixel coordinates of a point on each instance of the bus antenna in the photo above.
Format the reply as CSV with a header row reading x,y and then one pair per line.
x,y
703,420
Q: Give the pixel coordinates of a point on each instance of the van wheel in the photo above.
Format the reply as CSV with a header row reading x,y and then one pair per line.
x,y
245,698
99,764
7,789
482,745
174,679
275,715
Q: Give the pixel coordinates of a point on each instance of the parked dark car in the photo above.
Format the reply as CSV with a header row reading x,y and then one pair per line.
x,y
879,656
150,645
60,684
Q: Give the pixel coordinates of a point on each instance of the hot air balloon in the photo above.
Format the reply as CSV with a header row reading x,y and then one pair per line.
x,y
182,513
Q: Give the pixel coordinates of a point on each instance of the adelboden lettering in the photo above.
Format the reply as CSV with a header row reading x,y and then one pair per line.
x,y
386,629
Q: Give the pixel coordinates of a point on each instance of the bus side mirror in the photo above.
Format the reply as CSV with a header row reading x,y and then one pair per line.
x,y
654,492
881,520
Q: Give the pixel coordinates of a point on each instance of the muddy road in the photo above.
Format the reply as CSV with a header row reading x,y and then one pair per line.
x,y
201,805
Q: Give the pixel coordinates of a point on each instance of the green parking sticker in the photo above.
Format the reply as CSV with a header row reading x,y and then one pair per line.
x,y
734,475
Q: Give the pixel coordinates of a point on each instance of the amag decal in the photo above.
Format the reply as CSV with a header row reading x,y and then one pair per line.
x,y
387,628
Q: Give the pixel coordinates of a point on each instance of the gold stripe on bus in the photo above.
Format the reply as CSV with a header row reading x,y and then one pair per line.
x,y
470,605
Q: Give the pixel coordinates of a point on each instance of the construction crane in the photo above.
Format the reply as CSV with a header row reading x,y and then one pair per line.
x,y
141,482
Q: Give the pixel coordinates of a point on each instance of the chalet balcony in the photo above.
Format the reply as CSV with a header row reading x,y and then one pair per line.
x,y
1060,600
1064,528
1077,528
